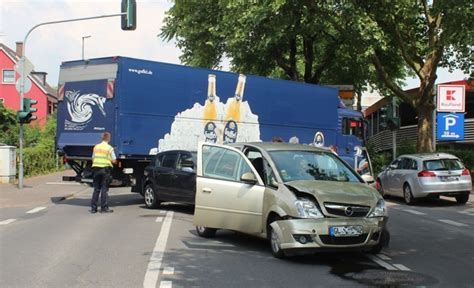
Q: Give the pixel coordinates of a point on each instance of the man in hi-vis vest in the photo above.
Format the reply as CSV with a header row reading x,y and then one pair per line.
x,y
103,159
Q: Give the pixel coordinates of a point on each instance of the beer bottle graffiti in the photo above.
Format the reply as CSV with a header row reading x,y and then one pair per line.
x,y
210,110
233,112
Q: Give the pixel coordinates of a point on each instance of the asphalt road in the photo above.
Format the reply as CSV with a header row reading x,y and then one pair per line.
x,y
63,245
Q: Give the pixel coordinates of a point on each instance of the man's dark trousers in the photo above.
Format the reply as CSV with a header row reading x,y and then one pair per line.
x,y
101,186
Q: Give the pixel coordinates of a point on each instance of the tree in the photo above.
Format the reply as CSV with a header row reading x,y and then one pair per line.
x,y
425,35
284,39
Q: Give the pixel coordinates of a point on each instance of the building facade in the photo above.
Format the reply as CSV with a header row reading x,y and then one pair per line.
x,y
40,89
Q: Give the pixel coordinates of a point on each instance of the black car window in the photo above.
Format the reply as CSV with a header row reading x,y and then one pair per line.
x,y
405,163
158,160
169,160
185,160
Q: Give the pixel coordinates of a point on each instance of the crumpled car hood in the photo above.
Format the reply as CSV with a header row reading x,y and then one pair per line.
x,y
338,192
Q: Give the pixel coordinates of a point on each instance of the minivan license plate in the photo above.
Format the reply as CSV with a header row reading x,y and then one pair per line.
x,y
346,231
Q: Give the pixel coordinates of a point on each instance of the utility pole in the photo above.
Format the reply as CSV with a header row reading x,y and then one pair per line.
x,y
84,37
394,131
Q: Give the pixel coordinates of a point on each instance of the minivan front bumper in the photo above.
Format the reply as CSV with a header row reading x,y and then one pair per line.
x,y
316,232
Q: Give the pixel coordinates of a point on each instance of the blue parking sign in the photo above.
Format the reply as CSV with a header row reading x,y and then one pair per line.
x,y
450,126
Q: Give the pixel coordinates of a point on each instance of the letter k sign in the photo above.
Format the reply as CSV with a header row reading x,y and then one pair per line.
x,y
450,95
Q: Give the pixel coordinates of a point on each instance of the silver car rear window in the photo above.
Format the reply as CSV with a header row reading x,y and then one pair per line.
x,y
442,164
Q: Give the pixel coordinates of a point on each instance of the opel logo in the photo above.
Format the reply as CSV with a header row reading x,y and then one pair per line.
x,y
349,211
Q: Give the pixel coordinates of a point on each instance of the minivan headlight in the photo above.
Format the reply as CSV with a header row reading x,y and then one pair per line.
x,y
380,209
307,209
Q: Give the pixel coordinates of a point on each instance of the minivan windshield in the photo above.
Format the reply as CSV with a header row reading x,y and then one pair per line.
x,y
311,165
442,164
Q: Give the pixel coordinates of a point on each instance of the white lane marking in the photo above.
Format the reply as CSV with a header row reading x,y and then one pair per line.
x,y
162,212
168,271
166,284
34,210
383,257
206,244
452,222
153,269
414,212
469,211
402,267
8,221
381,262
159,219
63,183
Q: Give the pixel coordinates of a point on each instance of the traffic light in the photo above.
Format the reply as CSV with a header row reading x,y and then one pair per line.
x,y
129,19
25,115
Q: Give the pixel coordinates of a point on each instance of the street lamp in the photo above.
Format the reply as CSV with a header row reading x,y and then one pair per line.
x,y
84,37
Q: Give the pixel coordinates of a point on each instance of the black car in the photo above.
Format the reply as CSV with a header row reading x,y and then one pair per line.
x,y
170,177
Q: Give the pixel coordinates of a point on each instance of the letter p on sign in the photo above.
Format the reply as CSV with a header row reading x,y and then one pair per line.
x,y
450,121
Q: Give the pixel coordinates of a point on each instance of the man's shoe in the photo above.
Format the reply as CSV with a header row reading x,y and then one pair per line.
x,y
93,211
107,211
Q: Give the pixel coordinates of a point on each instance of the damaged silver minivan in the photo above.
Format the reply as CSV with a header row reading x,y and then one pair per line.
x,y
302,198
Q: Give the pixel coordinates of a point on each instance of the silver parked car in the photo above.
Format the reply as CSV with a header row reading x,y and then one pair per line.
x,y
425,175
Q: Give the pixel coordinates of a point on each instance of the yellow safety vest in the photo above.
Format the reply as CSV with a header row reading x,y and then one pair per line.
x,y
102,155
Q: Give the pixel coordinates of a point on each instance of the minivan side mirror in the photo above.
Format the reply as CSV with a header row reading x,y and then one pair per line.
x,y
249,178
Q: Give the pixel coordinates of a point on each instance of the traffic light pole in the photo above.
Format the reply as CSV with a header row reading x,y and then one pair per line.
x,y
23,77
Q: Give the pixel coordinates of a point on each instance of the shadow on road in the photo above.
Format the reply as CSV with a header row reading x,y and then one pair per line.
x,y
429,202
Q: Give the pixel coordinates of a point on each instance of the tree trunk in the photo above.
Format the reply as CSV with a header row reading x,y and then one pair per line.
x,y
424,141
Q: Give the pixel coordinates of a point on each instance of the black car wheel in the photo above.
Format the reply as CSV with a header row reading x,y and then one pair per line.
x,y
206,232
151,199
408,195
462,199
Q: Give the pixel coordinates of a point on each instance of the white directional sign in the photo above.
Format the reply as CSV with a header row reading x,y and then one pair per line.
x,y
451,98
27,85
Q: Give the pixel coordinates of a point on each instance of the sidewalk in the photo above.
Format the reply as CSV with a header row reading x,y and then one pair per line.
x,y
40,190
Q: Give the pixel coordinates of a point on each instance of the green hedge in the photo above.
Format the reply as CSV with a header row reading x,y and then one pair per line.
x,y
39,160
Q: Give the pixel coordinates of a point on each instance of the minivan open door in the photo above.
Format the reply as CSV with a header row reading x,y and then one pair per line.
x,y
229,191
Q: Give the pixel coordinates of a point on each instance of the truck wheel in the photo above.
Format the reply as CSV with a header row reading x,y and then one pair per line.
x,y
206,232
462,199
151,199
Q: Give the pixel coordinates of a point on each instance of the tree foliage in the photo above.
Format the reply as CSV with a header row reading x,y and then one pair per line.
x,y
283,39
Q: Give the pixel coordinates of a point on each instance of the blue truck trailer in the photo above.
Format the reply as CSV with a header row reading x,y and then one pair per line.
x,y
150,106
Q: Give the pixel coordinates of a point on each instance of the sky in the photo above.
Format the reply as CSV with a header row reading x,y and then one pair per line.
x,y
48,46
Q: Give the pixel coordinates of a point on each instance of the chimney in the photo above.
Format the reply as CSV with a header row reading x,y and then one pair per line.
x,y
41,76
19,49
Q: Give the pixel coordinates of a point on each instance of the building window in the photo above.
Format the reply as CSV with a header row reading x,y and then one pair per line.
x,y
8,76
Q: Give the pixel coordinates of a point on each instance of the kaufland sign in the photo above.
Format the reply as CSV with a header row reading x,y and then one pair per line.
x,y
451,98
